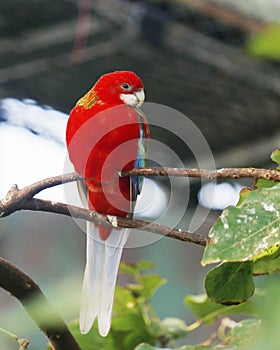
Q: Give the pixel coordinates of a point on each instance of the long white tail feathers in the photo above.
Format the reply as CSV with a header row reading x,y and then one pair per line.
x,y
102,263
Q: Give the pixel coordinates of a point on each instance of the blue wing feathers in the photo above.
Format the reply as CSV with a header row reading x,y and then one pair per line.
x,y
140,162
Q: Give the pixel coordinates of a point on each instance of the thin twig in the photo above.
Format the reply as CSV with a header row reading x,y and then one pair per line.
x,y
23,343
226,173
80,213
25,289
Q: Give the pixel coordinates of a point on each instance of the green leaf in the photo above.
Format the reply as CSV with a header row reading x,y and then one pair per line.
x,y
134,269
174,327
269,310
128,269
149,284
146,284
207,311
144,265
128,322
92,340
265,44
244,333
268,262
263,183
243,195
203,308
144,346
132,339
275,157
123,301
230,283
244,232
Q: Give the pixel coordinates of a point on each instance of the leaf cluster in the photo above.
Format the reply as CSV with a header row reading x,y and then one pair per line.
x,y
245,241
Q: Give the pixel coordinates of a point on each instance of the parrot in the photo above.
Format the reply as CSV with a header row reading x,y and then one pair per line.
x,y
107,132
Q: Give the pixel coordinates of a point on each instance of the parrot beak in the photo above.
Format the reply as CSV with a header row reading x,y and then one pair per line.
x,y
140,97
134,100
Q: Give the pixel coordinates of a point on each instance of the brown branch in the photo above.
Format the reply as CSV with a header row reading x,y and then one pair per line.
x,y
17,199
226,173
25,289
80,213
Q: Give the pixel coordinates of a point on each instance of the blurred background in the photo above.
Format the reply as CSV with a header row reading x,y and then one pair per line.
x,y
217,62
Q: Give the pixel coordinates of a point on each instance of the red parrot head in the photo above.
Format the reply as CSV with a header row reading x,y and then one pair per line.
x,y
120,87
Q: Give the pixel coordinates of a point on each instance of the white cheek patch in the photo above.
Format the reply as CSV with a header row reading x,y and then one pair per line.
x,y
129,99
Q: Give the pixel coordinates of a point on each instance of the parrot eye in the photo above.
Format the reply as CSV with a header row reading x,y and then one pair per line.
x,y
126,87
